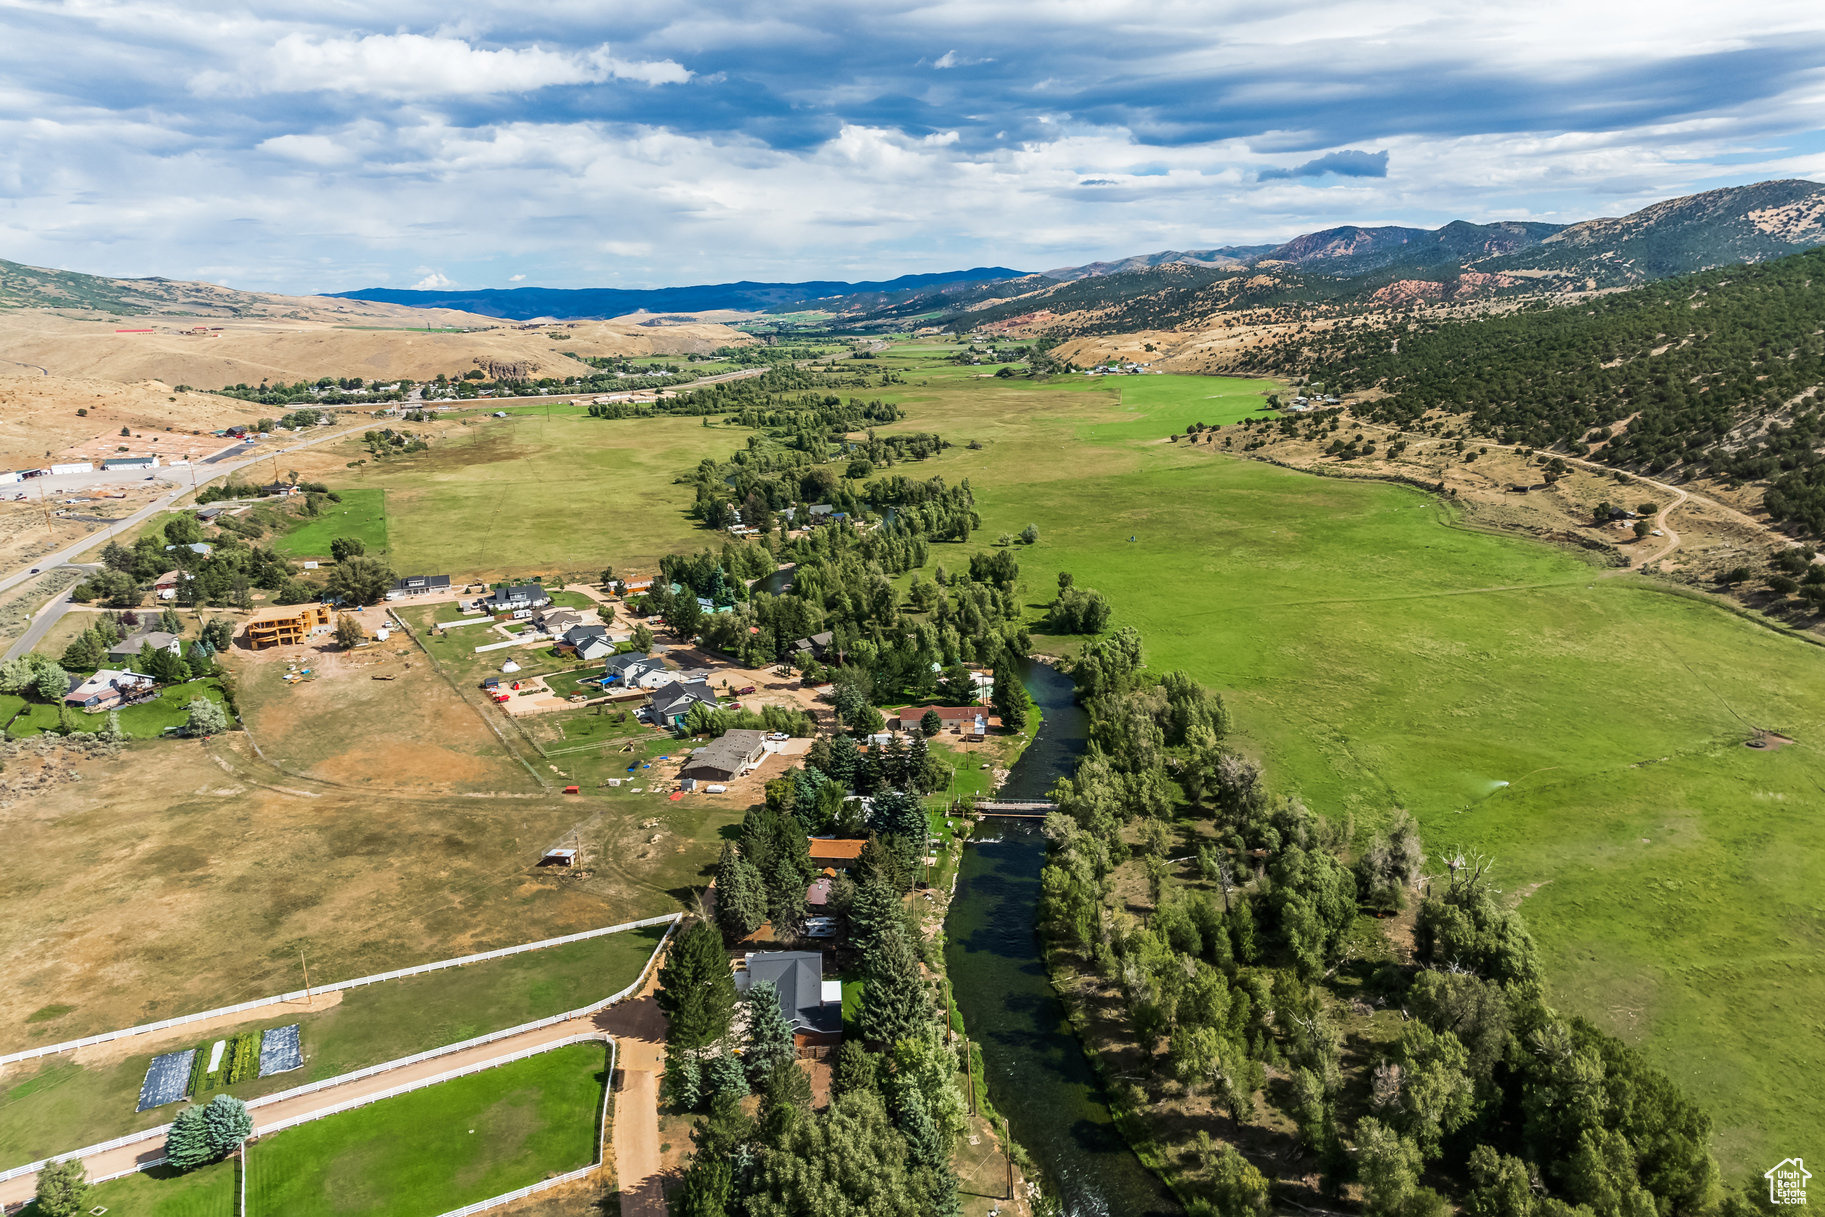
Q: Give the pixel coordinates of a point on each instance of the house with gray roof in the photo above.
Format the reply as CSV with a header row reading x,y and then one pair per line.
x,y
726,758
672,702
813,1005
128,647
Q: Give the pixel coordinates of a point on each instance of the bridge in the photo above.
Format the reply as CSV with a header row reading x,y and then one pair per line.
x,y
1025,809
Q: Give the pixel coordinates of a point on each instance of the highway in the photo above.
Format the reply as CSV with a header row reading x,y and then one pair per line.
x,y
69,553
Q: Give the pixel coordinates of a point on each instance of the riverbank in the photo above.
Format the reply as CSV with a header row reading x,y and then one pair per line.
x,y
1043,1087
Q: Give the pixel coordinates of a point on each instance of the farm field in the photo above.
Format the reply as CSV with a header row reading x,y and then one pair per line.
x,y
362,514
87,1097
439,1148
207,1191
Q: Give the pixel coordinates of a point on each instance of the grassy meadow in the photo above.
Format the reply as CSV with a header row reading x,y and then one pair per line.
x,y
1582,726
437,1149
362,514
207,1191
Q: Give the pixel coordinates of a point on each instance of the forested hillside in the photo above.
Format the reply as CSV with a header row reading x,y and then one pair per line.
x,y
1716,373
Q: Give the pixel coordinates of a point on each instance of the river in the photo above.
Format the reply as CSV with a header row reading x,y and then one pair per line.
x,y
1038,1075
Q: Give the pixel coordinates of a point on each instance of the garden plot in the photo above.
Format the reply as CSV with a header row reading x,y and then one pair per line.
x,y
167,1079
280,1051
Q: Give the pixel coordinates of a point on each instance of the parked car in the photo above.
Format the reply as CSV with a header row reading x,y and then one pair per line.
x,y
744,692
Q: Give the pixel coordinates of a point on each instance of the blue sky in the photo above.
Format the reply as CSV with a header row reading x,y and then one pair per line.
x,y
333,145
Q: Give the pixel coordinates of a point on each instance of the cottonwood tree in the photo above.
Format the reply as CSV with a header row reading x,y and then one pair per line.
x,y
349,632
359,580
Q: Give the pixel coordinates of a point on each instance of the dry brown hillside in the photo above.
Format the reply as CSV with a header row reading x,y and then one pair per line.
x,y
39,419
210,352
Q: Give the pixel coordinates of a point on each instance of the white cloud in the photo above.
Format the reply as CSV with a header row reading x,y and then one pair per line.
x,y
404,66
516,278
435,281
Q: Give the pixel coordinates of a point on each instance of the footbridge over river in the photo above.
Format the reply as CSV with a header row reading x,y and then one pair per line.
x,y
1024,808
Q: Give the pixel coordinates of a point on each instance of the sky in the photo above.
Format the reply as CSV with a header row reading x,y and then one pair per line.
x,y
325,145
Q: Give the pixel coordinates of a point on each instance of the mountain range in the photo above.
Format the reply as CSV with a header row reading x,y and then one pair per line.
x,y
1349,265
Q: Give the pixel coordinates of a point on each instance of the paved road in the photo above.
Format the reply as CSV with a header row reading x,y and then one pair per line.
x,y
70,552
47,617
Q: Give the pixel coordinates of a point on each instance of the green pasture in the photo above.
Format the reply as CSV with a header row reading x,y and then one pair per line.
x,y
62,1104
362,514
439,1148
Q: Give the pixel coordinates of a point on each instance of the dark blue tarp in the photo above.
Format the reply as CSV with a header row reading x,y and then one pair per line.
x,y
167,1078
279,1050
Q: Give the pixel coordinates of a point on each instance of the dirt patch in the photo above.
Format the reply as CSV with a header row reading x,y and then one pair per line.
x,y
1767,741
190,1033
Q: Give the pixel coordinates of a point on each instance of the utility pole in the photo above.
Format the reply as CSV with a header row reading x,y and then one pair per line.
x,y
969,1071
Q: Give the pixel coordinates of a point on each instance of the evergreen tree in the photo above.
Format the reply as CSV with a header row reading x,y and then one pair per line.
x,y
723,1077
741,898
187,1144
226,1124
896,1004
63,1189
786,898
1010,699
696,989
769,1035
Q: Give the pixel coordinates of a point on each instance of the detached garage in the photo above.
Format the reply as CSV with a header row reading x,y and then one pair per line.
x,y
726,759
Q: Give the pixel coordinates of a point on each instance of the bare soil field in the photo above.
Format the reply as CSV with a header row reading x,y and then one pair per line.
x,y
307,343
379,717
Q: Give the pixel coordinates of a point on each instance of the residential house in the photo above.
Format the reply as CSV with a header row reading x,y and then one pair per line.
x,y
727,758
634,671
166,584
834,853
287,626
107,689
577,634
158,640
556,621
201,548
418,585
817,646
594,647
813,1005
958,720
672,702
518,596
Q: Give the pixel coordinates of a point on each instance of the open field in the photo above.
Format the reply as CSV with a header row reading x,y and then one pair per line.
x,y
88,1096
207,1191
439,1148
362,514
1376,657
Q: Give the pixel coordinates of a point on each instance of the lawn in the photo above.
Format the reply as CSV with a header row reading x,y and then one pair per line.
x,y
207,1191
581,680
148,720
62,1105
362,514
439,1148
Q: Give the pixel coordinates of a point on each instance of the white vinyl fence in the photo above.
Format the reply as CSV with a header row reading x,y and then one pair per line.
x,y
152,1134
299,994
